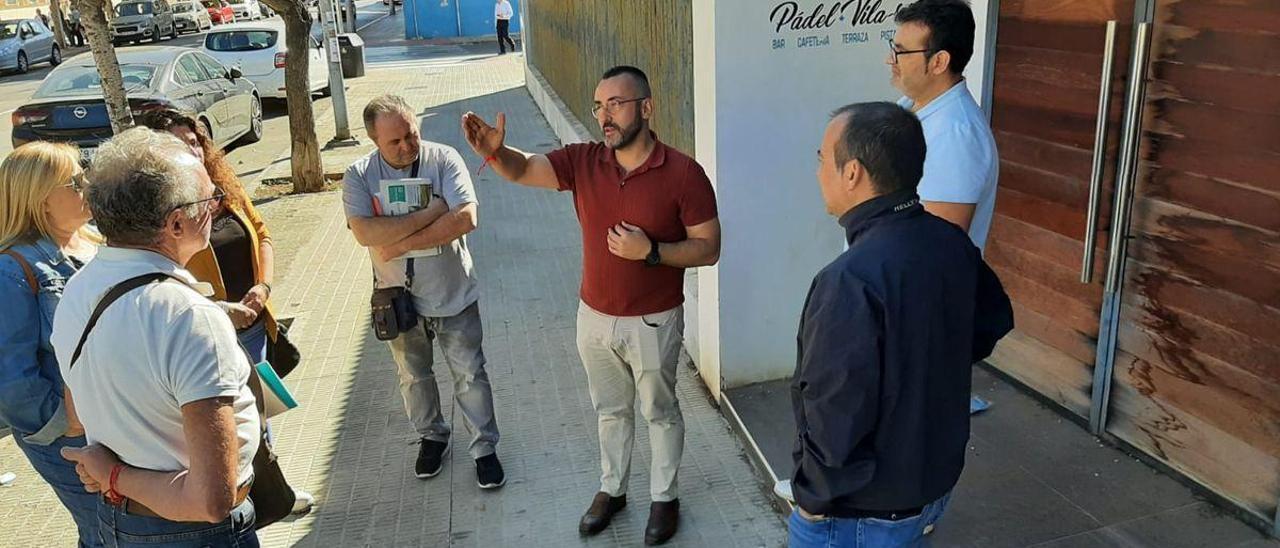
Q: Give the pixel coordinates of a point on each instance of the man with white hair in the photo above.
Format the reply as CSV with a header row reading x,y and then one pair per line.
x,y
154,369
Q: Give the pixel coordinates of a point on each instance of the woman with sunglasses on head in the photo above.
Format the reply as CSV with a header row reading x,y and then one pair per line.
x,y
44,239
239,262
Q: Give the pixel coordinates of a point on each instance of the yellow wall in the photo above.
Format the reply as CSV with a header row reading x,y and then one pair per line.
x,y
573,43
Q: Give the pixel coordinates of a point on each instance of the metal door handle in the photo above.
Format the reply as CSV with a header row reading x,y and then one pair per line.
x,y
1127,174
1099,154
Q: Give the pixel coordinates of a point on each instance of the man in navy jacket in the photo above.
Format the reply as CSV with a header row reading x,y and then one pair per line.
x,y
889,333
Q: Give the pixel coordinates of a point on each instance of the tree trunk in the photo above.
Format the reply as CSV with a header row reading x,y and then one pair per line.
x,y
93,17
306,164
56,16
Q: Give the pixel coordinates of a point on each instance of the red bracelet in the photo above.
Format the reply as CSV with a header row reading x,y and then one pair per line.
x,y
486,162
114,497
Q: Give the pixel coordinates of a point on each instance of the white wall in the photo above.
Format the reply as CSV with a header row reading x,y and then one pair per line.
x,y
762,98
975,74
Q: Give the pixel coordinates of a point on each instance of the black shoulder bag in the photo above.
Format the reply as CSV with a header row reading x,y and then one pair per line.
x,y
393,311
271,494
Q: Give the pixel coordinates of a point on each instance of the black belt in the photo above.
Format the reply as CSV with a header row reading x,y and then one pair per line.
x,y
887,515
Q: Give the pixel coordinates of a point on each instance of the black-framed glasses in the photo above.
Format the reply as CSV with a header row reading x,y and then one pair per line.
x,y
894,52
612,105
214,201
77,183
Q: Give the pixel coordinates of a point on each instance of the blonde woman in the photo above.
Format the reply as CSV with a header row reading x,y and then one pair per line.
x,y
43,241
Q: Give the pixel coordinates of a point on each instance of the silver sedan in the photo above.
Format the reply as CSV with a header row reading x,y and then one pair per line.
x,y
27,41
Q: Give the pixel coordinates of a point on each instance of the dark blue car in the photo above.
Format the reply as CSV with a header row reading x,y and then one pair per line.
x,y
68,106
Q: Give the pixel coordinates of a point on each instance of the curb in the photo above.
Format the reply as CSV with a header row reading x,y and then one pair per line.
x,y
563,123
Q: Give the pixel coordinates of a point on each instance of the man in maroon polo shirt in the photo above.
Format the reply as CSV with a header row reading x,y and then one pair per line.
x,y
647,212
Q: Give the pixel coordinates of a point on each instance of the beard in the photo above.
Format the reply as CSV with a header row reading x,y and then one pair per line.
x,y
623,136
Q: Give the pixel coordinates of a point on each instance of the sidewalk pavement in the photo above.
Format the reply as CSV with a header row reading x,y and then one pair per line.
x,y
355,448
350,443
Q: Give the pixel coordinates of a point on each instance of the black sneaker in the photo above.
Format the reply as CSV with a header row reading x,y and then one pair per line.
x,y
430,458
489,474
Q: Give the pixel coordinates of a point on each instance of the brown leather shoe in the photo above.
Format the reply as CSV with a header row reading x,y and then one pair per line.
x,y
663,518
601,512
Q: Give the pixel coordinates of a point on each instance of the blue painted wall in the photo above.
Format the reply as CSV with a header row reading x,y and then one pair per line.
x,y
425,19
477,17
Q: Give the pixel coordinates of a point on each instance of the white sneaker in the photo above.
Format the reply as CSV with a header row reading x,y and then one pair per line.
x,y
783,490
303,502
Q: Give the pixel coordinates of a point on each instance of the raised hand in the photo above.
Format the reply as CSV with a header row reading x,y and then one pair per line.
x,y
484,139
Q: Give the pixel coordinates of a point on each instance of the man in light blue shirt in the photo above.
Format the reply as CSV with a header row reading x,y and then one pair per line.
x,y
933,43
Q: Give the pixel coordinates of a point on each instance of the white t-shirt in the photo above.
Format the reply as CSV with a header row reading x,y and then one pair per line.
x,y
155,349
502,10
961,165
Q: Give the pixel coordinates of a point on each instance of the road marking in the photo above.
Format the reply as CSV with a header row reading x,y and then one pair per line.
x,y
370,23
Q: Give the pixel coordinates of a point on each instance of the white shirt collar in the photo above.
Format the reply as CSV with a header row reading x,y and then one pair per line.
x,y
154,262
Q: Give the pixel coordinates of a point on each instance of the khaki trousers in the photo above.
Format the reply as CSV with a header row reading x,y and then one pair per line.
x,y
626,358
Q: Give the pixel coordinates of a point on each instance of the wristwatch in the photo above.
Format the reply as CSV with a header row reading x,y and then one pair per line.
x,y
654,258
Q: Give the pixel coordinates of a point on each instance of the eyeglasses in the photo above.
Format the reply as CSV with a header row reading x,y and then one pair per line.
x,y
78,182
894,52
213,201
612,105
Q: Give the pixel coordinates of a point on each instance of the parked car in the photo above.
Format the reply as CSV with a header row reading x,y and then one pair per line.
x,y
138,20
190,15
220,11
258,50
26,41
245,10
68,105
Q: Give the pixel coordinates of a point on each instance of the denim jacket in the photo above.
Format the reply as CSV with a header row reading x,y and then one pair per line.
x,y
31,400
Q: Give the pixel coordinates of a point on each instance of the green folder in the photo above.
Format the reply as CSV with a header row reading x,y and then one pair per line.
x,y
276,396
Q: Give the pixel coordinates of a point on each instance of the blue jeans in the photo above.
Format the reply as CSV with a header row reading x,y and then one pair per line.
x,y
864,532
123,530
60,474
254,340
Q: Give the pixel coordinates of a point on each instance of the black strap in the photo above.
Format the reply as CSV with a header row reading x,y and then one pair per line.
x,y
114,294
408,268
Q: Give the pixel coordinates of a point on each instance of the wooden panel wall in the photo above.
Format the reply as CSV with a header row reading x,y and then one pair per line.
x,y
1048,66
1197,377
575,42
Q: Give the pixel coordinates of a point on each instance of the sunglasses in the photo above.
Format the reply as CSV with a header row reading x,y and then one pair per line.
x,y
78,183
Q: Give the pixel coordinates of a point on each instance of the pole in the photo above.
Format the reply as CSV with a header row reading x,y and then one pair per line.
x,y
457,12
333,57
